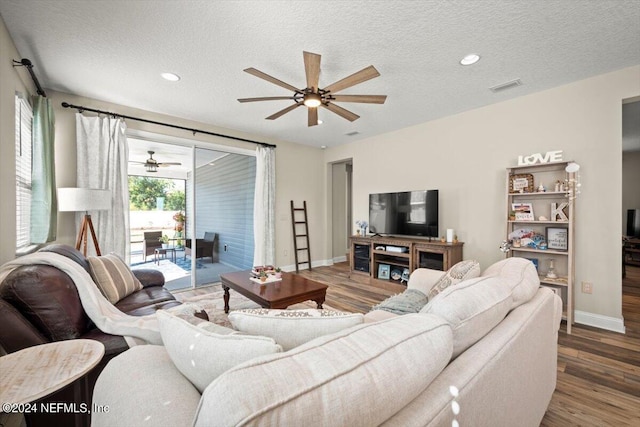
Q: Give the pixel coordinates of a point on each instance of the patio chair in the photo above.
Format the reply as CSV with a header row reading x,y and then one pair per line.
x,y
150,243
206,247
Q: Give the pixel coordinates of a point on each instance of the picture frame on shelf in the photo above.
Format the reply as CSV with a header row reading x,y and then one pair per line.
x,y
384,270
557,238
523,211
521,183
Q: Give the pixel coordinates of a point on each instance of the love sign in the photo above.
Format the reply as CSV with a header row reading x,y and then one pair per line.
x,y
548,157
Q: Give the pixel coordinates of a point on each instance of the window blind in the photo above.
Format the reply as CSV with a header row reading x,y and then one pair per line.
x,y
23,126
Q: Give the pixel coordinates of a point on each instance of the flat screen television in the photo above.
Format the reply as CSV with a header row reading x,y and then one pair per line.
x,y
408,213
633,223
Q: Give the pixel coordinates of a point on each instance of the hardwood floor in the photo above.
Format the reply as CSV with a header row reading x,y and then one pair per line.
x,y
598,371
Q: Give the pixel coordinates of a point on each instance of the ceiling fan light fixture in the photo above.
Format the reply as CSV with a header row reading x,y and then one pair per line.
x,y
470,59
151,167
312,100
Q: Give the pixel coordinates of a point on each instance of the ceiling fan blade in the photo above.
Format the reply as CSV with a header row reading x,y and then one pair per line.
x,y
164,165
367,99
312,116
312,69
282,112
140,163
361,76
265,98
341,112
268,78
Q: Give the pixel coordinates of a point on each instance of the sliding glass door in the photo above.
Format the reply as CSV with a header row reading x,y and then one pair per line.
x,y
220,194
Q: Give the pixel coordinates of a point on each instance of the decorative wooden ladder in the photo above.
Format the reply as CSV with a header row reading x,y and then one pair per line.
x,y
304,233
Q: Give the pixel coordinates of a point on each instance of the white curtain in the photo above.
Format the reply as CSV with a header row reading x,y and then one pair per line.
x,y
264,210
103,155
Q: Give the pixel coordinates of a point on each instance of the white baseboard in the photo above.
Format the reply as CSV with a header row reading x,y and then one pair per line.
x,y
342,258
599,321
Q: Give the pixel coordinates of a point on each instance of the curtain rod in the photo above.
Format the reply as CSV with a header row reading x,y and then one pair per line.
x,y
108,113
24,62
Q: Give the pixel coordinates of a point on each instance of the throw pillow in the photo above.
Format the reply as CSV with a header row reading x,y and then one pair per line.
x,y
520,275
202,356
290,328
461,271
410,301
472,308
113,277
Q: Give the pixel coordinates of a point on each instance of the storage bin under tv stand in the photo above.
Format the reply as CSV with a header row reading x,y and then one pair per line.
x,y
366,254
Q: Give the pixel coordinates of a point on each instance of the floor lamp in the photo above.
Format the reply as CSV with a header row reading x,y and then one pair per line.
x,y
84,200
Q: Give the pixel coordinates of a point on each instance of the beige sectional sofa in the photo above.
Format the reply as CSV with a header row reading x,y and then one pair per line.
x,y
493,338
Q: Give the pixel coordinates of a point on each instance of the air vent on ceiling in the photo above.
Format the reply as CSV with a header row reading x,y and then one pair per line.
x,y
506,85
355,132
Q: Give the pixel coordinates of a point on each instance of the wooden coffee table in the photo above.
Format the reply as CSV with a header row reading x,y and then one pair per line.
x,y
292,289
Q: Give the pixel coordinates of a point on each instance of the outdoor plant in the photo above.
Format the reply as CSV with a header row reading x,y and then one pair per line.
x,y
164,239
179,217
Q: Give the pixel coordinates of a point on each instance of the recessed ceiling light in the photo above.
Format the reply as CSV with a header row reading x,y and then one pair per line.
x,y
470,59
320,122
170,76
323,147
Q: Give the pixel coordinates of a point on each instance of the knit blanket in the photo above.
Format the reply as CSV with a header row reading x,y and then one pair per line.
x,y
135,329
410,301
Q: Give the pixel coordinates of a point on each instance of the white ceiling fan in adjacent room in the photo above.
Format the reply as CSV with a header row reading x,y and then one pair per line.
x,y
152,165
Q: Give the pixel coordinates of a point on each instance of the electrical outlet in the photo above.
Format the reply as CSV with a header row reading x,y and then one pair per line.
x,y
225,248
286,252
587,287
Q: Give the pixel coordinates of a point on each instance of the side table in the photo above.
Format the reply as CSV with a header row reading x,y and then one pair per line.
x,y
165,252
36,372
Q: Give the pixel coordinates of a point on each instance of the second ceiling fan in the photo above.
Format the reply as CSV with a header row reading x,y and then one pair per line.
x,y
313,97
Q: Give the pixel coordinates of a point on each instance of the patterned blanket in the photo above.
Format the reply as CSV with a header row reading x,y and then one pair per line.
x,y
410,301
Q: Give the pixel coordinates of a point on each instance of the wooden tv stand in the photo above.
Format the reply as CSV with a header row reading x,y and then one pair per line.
x,y
368,253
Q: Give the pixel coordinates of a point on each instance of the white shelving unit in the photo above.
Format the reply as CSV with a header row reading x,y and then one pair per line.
x,y
547,174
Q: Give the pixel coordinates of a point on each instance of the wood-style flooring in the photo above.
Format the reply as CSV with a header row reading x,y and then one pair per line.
x,y
598,371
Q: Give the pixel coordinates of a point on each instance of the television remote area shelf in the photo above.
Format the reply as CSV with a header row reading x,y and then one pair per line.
x,y
395,254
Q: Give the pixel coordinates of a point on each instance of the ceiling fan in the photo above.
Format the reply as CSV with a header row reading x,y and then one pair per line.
x,y
313,96
152,165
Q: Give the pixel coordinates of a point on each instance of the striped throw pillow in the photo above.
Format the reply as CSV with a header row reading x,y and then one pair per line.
x,y
113,277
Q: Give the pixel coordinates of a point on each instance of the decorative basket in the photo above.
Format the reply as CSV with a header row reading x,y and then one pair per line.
x,y
515,183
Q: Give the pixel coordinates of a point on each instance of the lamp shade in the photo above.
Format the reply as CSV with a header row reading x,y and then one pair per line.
x,y
83,199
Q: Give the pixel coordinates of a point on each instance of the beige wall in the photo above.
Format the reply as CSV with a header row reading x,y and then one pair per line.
x,y
630,184
465,156
12,80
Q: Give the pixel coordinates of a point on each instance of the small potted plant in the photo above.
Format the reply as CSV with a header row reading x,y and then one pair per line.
x,y
179,217
278,273
165,241
263,276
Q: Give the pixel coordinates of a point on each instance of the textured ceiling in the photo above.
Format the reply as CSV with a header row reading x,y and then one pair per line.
x,y
115,51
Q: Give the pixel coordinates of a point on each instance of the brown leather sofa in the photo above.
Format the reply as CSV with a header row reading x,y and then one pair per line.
x,y
40,304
